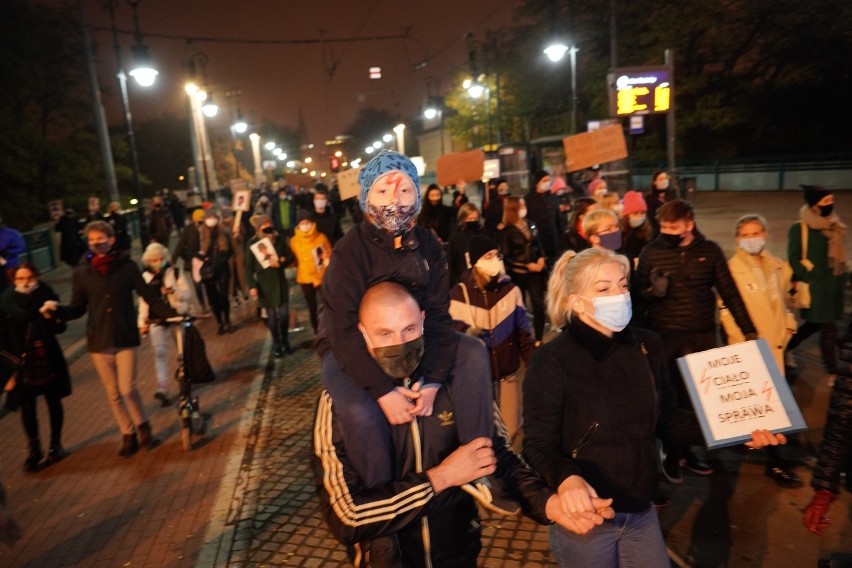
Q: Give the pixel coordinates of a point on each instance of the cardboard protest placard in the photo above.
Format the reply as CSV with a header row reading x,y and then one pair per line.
x,y
347,183
264,251
299,180
467,166
737,389
241,200
590,148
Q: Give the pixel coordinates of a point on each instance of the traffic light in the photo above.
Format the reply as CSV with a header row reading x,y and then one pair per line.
x,y
335,164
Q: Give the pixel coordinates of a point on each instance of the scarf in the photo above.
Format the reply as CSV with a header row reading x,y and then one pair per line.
x,y
102,263
834,230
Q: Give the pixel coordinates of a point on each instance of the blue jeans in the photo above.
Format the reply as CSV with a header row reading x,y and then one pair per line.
x,y
363,424
627,541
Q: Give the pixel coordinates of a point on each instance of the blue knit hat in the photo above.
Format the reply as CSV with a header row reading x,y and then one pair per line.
x,y
385,162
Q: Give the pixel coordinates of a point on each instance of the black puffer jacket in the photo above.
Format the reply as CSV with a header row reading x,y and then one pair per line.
x,y
835,451
366,256
694,271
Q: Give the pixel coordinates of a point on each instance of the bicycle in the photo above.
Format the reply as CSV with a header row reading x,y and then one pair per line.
x,y
189,411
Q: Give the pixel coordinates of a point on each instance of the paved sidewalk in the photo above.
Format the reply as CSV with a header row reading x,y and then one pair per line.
x,y
245,497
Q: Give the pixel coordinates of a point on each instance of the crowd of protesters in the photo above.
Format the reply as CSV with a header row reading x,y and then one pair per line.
x,y
625,281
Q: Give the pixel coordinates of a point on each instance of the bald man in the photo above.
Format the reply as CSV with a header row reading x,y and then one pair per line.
x,y
422,516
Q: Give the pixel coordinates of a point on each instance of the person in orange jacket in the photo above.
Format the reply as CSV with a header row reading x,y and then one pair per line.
x,y
313,251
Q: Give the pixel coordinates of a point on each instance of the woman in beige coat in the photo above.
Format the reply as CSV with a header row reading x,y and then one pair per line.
x,y
762,280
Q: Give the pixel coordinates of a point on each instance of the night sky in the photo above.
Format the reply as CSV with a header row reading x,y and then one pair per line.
x,y
276,81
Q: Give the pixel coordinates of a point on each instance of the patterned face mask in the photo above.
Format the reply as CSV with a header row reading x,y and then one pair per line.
x,y
393,218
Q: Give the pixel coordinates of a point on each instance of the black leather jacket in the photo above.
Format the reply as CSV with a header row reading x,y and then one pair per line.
x,y
518,250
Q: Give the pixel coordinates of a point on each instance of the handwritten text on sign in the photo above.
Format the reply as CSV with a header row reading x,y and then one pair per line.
x,y
735,391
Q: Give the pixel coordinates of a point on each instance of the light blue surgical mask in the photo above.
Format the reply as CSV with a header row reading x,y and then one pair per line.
x,y
613,312
753,245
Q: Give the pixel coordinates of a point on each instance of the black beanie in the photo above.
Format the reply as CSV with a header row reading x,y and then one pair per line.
x,y
814,194
479,245
540,175
303,215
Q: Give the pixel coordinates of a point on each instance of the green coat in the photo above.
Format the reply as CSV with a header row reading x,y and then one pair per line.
x,y
271,283
827,290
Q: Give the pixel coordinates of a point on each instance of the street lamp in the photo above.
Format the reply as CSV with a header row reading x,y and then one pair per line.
x,y
435,108
555,52
145,75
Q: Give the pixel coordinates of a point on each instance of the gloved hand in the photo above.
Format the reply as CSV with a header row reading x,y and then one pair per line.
x,y
750,336
659,282
816,511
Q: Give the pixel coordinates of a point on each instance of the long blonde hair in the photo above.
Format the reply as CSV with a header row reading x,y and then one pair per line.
x,y
572,274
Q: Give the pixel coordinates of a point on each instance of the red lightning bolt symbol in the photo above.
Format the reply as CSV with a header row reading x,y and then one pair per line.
x,y
705,379
767,388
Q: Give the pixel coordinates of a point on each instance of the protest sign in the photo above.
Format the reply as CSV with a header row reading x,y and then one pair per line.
x,y
737,389
591,148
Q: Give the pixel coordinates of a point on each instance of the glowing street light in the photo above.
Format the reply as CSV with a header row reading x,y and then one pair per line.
x,y
269,146
277,151
387,138
555,52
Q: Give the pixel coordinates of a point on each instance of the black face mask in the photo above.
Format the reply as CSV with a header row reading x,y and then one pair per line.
x,y
268,230
400,361
670,240
472,225
825,210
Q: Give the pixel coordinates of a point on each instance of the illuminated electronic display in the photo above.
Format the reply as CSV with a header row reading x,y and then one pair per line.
x,y
639,90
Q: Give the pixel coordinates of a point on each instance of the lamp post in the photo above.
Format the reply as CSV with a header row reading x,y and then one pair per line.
x,y
145,75
399,132
238,126
435,108
255,152
555,52
199,108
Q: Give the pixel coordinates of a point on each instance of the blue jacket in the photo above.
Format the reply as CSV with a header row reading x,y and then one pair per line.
x,y
12,246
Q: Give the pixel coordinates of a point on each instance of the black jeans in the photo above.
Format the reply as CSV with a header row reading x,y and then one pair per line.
x,y
29,416
217,294
278,322
313,297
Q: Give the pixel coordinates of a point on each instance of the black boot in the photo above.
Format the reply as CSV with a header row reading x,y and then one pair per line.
x,y
287,349
55,453
129,446
33,461
146,439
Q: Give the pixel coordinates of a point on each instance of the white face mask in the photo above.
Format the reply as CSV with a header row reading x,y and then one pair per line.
x,y
754,245
304,227
522,213
490,267
320,204
662,184
211,222
613,312
26,288
636,222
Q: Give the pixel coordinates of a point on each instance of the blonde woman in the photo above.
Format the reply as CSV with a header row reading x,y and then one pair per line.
x,y
595,399
601,228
